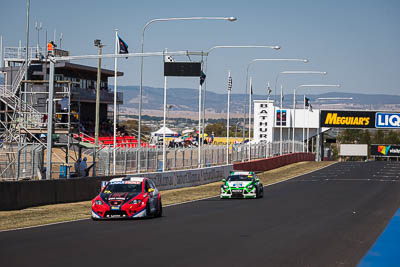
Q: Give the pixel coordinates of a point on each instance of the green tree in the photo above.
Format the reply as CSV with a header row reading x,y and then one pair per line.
x,y
379,137
131,126
392,137
365,137
218,128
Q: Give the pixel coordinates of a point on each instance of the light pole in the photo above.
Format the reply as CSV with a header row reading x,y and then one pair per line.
x,y
276,81
294,106
38,28
99,45
141,66
247,78
61,38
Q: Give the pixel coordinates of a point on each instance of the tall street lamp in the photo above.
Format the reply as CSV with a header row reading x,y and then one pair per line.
x,y
99,45
276,81
294,107
141,66
247,78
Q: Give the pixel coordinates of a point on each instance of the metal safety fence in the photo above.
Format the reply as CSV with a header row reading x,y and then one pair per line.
x,y
151,159
30,162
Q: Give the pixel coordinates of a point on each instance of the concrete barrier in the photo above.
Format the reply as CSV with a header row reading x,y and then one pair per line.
x,y
260,165
185,178
23,194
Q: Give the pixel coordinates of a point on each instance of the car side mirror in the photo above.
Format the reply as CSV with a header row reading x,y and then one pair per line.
x,y
224,180
150,190
257,180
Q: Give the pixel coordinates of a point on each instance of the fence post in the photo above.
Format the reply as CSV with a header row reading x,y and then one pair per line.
x,y
125,160
174,157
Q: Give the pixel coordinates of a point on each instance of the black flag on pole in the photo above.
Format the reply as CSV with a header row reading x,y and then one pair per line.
x,y
123,47
306,101
202,78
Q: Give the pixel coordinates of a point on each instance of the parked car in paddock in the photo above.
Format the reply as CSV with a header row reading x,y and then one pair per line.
x,y
128,197
242,184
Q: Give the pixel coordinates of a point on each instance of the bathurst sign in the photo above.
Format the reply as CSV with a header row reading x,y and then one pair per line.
x,y
385,150
347,119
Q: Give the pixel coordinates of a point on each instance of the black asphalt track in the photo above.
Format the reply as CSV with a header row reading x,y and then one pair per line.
x,y
329,217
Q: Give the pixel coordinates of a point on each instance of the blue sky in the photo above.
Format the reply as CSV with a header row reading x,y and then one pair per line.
x,y
355,41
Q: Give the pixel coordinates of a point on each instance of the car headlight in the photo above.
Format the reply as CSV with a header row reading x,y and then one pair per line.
x,y
135,201
98,202
250,187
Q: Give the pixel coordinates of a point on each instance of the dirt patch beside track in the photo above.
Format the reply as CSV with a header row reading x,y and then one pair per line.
x,y
81,210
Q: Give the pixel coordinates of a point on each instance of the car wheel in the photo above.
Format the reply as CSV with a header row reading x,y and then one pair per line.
x,y
148,211
159,211
261,192
257,193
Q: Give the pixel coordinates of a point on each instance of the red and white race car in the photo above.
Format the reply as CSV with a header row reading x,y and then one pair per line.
x,y
127,197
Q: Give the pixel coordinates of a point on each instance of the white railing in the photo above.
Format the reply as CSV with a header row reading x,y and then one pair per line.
x,y
20,75
19,53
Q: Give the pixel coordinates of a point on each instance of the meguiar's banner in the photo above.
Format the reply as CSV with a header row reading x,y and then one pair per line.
x,y
347,119
385,150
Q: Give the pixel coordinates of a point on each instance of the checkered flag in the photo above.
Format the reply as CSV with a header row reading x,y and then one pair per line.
x,y
169,59
230,82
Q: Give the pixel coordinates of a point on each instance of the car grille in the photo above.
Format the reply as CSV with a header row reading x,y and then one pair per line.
x,y
112,213
238,194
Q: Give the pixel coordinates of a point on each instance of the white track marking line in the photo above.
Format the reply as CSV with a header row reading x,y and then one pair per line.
x,y
170,205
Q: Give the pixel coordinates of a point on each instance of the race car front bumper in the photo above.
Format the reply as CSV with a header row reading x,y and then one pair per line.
x,y
124,211
237,193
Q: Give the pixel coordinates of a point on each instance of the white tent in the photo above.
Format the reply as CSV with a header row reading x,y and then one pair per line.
x,y
168,132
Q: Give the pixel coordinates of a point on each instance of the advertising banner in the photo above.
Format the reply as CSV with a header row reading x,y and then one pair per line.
x,y
347,119
278,117
387,120
385,150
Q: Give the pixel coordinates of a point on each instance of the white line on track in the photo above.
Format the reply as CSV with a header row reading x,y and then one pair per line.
x,y
170,205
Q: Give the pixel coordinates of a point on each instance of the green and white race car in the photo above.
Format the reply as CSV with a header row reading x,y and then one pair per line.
x,y
242,184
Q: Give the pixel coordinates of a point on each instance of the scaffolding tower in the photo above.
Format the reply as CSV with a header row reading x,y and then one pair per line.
x,y
23,124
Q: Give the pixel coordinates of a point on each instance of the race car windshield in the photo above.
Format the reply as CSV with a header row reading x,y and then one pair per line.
x,y
236,178
123,188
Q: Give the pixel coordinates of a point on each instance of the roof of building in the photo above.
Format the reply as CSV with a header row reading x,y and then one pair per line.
x,y
69,65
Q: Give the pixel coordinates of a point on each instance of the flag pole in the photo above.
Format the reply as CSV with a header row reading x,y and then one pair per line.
x,y
280,128
115,100
227,117
304,117
250,96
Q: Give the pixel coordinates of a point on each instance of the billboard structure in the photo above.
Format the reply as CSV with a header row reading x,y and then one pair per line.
x,y
385,150
349,150
182,69
347,119
278,120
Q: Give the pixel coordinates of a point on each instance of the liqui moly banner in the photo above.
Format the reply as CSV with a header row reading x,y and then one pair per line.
x,y
387,120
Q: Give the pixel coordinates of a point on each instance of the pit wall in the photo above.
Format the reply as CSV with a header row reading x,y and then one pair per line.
x,y
261,165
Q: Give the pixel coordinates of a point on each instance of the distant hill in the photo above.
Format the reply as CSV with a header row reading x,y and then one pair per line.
x,y
184,99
